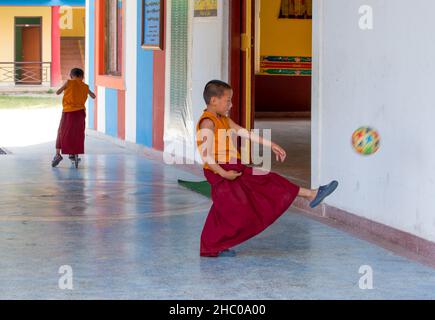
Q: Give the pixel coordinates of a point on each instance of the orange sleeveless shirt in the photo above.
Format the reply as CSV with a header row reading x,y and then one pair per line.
x,y
75,95
224,146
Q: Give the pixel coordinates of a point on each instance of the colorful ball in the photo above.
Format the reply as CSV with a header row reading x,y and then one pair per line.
x,y
365,140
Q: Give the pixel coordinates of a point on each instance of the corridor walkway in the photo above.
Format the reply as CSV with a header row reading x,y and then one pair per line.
x,y
128,231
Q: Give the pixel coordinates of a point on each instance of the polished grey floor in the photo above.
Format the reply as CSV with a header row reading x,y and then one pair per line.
x,y
128,231
294,135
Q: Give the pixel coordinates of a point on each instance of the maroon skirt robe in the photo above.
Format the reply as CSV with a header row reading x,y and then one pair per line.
x,y
71,133
244,207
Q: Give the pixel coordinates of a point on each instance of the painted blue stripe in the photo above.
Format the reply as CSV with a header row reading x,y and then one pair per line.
x,y
111,112
79,3
144,87
91,49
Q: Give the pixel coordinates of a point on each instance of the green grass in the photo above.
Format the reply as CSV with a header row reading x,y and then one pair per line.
x,y
17,102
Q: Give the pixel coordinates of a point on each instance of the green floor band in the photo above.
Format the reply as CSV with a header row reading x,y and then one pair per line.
x,y
202,187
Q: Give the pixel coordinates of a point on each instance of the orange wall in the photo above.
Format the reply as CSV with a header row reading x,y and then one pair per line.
x,y
7,32
283,37
78,24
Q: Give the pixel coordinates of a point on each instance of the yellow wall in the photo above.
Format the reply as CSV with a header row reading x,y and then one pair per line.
x,y
7,25
78,27
283,37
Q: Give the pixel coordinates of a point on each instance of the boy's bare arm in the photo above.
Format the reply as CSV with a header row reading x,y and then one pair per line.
x,y
242,132
61,89
92,95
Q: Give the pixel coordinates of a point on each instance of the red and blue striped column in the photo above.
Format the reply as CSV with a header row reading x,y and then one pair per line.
x,y
55,47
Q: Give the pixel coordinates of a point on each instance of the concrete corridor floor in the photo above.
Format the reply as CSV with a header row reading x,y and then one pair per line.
x,y
294,136
128,231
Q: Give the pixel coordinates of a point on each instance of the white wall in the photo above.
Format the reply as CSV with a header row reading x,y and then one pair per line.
x,y
209,53
383,78
208,59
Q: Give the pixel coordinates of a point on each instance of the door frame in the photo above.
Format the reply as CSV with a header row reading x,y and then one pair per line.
x,y
234,57
241,60
40,38
237,26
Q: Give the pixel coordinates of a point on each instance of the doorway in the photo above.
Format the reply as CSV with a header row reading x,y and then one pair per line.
x,y
270,65
28,50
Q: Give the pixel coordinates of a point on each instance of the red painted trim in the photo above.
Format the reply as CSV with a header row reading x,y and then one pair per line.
x,y
99,40
121,114
100,78
235,56
237,65
253,84
159,92
110,82
243,69
56,77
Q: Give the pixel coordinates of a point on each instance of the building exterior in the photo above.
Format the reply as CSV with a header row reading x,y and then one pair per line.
x,y
41,41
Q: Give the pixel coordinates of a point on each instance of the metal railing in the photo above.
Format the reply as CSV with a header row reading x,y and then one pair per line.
x,y
31,73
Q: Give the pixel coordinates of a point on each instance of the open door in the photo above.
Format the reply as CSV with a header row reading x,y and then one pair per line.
x,y
248,54
241,64
270,71
28,44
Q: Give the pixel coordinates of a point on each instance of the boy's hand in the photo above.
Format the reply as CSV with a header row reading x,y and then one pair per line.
x,y
279,152
231,175
92,95
61,89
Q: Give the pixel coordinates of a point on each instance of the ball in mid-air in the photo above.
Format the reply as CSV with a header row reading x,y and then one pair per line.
x,y
365,140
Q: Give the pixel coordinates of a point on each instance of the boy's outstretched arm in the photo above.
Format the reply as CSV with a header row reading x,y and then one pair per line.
x,y
244,133
61,89
92,95
207,136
